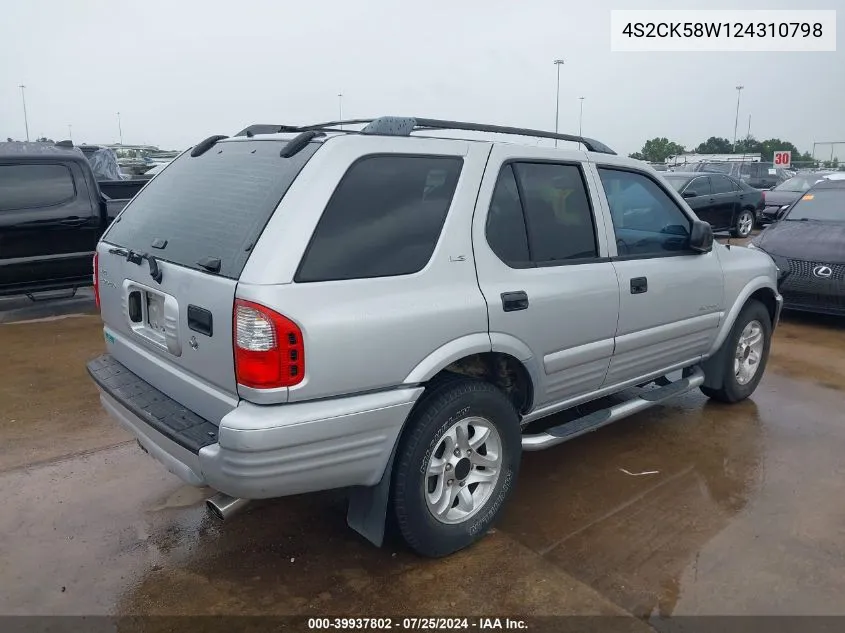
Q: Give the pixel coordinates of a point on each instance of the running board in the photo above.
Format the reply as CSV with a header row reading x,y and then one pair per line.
x,y
603,417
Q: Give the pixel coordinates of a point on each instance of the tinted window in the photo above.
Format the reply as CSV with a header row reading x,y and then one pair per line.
x,y
800,183
558,217
31,186
717,168
646,220
721,184
701,186
677,182
827,205
755,170
212,205
505,222
384,218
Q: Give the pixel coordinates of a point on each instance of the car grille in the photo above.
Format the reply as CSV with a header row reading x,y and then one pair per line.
x,y
802,289
803,268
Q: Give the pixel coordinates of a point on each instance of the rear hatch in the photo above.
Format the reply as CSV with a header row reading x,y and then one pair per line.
x,y
168,267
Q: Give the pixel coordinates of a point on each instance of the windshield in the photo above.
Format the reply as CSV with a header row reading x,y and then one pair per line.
x,y
677,182
715,168
825,205
800,183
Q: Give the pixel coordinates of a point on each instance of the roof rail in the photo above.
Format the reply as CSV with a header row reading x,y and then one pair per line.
x,y
266,128
404,126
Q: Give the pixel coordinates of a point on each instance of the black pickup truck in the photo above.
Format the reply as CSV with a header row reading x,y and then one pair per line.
x,y
52,214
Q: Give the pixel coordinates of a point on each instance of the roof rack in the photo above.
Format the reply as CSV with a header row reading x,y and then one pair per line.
x,y
405,126
266,128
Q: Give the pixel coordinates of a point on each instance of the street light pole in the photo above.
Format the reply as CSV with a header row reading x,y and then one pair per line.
x,y
120,128
70,132
25,121
558,63
736,119
580,115
340,108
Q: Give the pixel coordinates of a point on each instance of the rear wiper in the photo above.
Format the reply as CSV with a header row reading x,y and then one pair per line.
x,y
137,258
211,264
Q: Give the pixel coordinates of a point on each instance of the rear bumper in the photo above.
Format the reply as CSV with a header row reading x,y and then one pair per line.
x,y
768,215
261,451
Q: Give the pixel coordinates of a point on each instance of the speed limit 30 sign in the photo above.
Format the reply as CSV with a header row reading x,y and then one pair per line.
x,y
783,159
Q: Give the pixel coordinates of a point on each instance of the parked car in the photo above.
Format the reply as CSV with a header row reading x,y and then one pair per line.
x,y
808,243
723,202
52,215
788,192
760,175
113,183
398,314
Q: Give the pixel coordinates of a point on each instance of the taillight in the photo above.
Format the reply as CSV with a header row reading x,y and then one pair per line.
x,y
97,280
268,347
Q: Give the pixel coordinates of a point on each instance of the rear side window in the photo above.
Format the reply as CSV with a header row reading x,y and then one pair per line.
x,y
383,220
722,184
548,203
506,223
32,186
213,205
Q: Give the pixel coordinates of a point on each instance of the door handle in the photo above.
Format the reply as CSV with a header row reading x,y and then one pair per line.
x,y
513,301
73,221
639,285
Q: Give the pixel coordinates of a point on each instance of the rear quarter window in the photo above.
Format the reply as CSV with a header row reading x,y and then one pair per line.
x,y
384,219
34,186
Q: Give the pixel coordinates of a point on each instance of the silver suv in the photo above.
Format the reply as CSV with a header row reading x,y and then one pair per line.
x,y
379,309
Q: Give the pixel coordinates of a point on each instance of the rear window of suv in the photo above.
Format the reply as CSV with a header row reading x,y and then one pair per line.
x,y
383,220
213,205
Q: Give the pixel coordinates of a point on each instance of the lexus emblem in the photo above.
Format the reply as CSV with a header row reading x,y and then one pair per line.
x,y
822,271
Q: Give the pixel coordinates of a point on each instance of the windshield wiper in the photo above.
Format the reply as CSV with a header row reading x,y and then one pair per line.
x,y
211,264
137,258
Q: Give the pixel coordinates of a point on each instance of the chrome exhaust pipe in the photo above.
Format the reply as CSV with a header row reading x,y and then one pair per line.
x,y
225,507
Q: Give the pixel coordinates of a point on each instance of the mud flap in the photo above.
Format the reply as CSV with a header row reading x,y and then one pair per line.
x,y
714,367
367,511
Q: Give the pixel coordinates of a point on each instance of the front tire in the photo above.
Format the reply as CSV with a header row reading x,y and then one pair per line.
x,y
456,465
744,224
746,351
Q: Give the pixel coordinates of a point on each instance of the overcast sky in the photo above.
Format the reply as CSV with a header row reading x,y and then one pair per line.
x,y
182,70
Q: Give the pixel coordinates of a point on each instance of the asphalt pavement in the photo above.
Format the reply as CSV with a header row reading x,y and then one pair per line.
x,y
690,508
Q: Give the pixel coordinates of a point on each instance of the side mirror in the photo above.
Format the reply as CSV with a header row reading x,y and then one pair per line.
x,y
701,237
689,193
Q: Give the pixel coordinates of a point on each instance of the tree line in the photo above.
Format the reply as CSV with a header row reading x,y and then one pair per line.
x,y
657,150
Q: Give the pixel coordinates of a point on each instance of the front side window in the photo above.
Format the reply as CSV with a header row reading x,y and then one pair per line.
x,y
646,220
384,219
701,186
34,186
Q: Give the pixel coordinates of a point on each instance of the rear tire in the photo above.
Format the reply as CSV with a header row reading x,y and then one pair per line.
x,y
456,465
745,355
744,224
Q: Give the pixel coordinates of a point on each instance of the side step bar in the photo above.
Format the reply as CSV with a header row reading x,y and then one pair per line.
x,y
596,420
